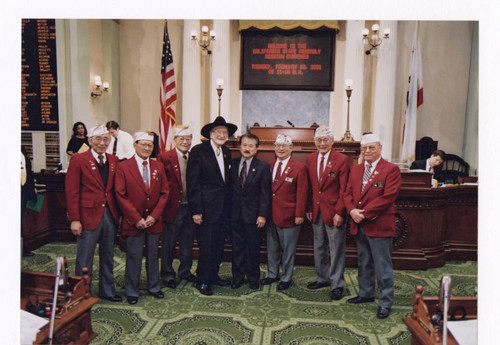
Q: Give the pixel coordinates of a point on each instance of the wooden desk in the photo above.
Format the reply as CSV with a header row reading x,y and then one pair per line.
x,y
419,323
72,325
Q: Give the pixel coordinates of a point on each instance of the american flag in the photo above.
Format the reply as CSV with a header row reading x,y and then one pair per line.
x,y
168,95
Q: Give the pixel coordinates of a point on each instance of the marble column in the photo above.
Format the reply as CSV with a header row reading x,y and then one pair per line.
x,y
191,80
353,69
385,89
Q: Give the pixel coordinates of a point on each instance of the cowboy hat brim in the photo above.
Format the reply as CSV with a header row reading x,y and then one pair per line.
x,y
219,121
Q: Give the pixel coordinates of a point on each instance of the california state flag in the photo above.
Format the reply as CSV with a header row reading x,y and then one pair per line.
x,y
414,100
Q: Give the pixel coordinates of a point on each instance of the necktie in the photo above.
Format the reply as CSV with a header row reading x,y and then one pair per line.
x,y
114,146
366,175
185,156
243,173
145,173
321,166
101,160
217,151
278,173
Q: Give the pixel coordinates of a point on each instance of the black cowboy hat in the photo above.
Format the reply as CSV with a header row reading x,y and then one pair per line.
x,y
219,121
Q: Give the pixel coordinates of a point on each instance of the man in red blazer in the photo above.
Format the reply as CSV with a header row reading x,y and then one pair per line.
x,y
142,192
92,208
369,199
327,171
289,198
178,224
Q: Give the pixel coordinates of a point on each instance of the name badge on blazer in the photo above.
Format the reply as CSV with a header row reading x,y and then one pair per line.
x,y
288,179
332,174
378,184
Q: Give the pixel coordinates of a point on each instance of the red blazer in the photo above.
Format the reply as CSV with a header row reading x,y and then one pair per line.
x,y
135,200
86,196
327,194
290,194
377,198
173,172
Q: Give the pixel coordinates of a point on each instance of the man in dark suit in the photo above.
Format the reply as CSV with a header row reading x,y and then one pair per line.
x,y
289,198
434,164
92,208
142,192
177,221
251,207
369,199
327,171
208,187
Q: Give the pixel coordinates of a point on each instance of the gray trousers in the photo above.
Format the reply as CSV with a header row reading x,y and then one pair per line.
x,y
182,230
135,246
286,239
329,253
104,234
374,260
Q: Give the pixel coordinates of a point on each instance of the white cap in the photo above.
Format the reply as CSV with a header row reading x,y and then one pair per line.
x,y
370,138
144,136
323,131
283,139
97,130
182,130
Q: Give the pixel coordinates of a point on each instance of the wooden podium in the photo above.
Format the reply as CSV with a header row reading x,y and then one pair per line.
x,y
419,323
72,323
303,143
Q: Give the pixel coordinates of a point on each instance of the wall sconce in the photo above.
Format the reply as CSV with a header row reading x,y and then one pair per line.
x,y
220,83
374,40
99,87
205,39
348,90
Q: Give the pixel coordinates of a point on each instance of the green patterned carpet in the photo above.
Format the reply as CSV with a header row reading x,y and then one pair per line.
x,y
265,316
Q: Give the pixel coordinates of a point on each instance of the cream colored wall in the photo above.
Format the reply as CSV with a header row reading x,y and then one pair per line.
x,y
140,65
446,51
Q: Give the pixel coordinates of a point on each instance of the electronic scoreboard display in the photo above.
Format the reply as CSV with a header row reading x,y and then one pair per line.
x,y
296,59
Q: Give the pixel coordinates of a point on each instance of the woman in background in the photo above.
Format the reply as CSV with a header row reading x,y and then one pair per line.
x,y
78,139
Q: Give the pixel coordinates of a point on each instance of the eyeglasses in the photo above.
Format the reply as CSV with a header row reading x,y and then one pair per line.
x,y
281,146
323,140
221,132
183,138
145,145
366,148
99,139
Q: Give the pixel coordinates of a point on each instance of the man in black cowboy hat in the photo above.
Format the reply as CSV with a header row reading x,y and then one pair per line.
x,y
208,189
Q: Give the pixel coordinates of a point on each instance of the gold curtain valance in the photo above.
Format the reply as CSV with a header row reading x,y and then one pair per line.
x,y
288,24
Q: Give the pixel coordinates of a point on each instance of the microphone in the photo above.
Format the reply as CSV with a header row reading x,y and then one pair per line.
x,y
444,303
291,124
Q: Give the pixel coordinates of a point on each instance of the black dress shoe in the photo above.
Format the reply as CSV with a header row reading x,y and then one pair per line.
x,y
284,285
254,285
222,282
170,283
190,278
267,280
158,294
337,293
132,299
359,299
115,298
383,312
237,284
317,285
204,289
